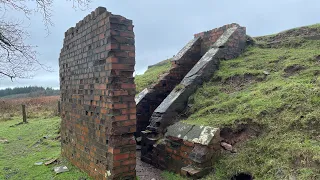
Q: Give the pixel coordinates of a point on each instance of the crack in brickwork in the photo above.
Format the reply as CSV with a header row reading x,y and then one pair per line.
x,y
97,96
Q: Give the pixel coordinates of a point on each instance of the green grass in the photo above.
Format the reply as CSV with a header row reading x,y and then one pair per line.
x,y
171,176
27,146
286,104
151,75
291,32
259,88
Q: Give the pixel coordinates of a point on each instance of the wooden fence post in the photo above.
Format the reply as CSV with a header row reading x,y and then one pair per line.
x,y
59,108
24,116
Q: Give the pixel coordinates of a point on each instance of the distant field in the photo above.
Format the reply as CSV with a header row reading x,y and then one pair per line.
x,y
27,95
45,107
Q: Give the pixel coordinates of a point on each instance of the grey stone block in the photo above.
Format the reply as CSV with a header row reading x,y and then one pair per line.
x,y
204,135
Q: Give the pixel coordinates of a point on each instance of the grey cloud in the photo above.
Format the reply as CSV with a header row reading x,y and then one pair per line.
x,y
163,27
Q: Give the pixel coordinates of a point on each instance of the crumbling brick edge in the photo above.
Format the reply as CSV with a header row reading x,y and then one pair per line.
x,y
97,96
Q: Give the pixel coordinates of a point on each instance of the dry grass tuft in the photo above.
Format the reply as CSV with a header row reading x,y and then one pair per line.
x,y
35,107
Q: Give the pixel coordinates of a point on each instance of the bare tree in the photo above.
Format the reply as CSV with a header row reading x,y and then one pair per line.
x,y
18,59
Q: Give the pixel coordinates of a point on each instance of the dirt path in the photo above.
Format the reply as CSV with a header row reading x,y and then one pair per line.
x,y
146,171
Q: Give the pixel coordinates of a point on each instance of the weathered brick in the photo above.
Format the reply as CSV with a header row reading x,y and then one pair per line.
x,y
133,111
112,47
112,60
133,116
121,54
127,47
120,157
113,150
130,28
187,143
129,123
96,125
120,106
132,54
121,118
127,34
128,162
117,66
128,86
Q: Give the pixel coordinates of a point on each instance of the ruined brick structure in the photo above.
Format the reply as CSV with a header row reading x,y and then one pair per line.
x,y
149,99
187,149
97,93
208,38
102,119
197,62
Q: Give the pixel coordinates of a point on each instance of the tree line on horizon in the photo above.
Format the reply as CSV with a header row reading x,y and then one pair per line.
x,y
32,91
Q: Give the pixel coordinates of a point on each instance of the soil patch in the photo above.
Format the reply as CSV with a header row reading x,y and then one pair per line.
x,y
241,133
146,171
239,82
293,69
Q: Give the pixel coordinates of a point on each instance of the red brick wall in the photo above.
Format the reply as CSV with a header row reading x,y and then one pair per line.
x,y
174,154
211,36
97,93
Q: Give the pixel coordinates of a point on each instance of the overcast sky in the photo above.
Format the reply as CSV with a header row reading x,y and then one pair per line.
x,y
163,27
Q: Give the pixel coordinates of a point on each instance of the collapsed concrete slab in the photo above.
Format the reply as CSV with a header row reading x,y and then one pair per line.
x,y
203,135
229,45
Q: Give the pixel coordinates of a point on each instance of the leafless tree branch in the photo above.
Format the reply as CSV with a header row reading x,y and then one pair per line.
x,y
17,59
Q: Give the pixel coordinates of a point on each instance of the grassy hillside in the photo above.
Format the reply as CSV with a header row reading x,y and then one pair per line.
x,y
152,75
274,90
269,101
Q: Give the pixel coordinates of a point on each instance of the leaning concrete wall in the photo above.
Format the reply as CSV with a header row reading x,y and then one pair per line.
x,y
155,149
97,92
229,45
150,98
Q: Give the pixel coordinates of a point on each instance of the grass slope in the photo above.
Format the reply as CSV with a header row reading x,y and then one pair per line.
x,y
27,146
276,84
151,75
